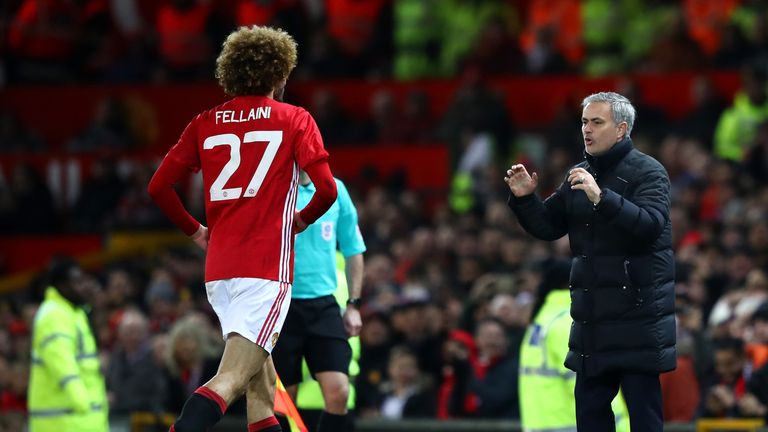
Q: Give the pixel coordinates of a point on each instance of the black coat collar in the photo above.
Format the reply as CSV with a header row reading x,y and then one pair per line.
x,y
609,159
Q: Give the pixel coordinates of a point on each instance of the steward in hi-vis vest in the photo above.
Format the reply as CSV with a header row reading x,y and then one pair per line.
x,y
66,387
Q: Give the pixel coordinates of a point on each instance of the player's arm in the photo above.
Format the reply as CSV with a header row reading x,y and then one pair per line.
x,y
325,194
164,195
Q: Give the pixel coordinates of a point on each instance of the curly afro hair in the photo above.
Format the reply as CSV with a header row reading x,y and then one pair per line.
x,y
255,60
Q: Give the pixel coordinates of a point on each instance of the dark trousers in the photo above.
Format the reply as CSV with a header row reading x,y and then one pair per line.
x,y
641,391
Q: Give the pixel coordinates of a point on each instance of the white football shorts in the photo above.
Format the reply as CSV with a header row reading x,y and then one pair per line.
x,y
251,307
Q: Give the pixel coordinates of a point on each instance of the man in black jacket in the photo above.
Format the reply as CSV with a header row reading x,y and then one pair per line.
x,y
614,206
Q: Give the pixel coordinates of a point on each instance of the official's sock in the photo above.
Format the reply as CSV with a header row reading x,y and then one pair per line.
x,y
269,424
331,422
201,411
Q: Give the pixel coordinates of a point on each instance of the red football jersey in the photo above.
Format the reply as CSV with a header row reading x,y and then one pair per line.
x,y
250,150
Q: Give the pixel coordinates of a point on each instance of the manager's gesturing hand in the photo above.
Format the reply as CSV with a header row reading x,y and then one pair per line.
x,y
520,182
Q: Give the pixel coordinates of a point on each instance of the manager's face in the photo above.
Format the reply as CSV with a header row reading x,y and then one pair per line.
x,y
599,130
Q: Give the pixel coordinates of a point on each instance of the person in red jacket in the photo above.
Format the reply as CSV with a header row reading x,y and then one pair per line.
x,y
250,150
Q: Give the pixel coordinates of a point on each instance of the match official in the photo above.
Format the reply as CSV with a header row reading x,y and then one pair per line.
x,y
315,328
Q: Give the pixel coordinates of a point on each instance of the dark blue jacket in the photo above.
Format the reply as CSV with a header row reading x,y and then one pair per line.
x,y
622,273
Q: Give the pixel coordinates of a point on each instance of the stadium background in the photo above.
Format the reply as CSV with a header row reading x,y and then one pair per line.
x,y
422,105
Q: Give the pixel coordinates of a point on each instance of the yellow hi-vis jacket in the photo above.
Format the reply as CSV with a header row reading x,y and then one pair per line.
x,y
547,401
66,387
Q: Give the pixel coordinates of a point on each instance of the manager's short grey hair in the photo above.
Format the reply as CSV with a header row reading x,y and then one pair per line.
x,y
621,108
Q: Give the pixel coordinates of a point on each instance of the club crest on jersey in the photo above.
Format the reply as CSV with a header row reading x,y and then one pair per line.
x,y
326,228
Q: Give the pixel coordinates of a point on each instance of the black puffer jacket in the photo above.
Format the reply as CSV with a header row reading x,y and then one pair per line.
x,y
622,274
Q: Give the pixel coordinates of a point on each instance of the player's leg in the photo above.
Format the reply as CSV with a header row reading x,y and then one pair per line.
x,y
260,396
249,311
260,391
328,355
242,359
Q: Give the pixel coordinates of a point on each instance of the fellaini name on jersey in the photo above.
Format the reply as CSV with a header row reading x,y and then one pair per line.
x,y
241,116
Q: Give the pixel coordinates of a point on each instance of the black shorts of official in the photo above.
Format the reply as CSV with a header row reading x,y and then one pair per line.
x,y
313,330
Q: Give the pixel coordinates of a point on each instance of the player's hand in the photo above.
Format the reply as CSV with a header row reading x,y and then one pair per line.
x,y
352,321
201,237
298,224
581,179
520,182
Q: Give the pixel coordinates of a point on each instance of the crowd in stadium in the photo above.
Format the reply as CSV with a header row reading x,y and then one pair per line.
x,y
161,41
449,289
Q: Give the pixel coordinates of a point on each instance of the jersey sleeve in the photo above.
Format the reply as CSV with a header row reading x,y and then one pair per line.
x,y
308,147
186,151
348,233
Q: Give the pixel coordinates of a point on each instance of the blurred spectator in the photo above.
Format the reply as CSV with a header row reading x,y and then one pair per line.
x,y
758,386
674,50
14,137
94,209
383,121
190,361
603,33
733,310
375,344
462,22
700,122
185,46
417,124
162,299
477,392
738,124
135,208
42,40
458,348
655,122
416,39
644,22
475,109
706,21
134,381
495,51
334,124
553,26
412,330
734,48
257,12
323,58
680,388
362,32
756,160
757,341
13,398
543,57
108,130
407,393
727,394
28,206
